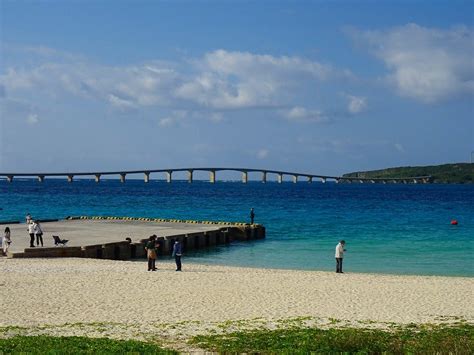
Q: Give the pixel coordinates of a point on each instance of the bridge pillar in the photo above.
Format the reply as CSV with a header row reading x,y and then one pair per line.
x,y
147,177
97,178
264,177
244,177
190,176
384,182
122,178
310,179
372,181
323,180
40,178
295,179
337,181
280,178
212,176
361,181
415,181
70,178
168,176
10,178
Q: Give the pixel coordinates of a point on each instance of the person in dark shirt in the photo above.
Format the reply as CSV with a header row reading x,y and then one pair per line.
x,y
177,252
252,215
150,248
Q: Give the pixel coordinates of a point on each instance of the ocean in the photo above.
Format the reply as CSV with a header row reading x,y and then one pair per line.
x,y
393,228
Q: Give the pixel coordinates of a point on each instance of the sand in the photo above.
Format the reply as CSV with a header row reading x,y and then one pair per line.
x,y
55,292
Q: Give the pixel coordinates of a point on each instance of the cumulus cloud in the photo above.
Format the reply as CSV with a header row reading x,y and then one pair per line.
x,y
356,104
175,117
427,64
302,114
32,119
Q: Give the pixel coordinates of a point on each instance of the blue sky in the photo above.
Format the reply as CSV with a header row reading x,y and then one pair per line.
x,y
312,86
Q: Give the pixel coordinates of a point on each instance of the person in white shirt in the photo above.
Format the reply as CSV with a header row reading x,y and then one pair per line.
x,y
340,255
6,241
31,232
38,233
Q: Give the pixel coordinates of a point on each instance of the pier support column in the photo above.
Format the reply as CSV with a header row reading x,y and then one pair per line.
x,y
295,179
372,181
361,181
40,178
70,178
190,176
122,178
384,182
337,181
97,178
10,178
415,181
147,177
244,177
310,179
264,177
323,180
280,178
212,176
168,176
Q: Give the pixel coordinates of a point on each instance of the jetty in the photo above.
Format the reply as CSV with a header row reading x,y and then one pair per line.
x,y
105,237
295,176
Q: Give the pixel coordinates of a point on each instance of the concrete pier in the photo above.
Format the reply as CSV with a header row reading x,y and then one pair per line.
x,y
122,178
147,177
310,179
212,176
264,177
104,237
280,178
295,178
40,178
190,176
245,177
169,176
70,178
97,178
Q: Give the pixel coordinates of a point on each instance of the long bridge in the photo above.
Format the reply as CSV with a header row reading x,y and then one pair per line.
x,y
212,175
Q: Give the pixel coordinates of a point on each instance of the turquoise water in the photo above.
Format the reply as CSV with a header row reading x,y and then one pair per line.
x,y
401,229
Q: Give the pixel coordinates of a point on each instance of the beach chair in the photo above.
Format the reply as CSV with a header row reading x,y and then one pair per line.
x,y
58,241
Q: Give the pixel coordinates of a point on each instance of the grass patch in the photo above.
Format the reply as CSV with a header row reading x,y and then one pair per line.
x,y
76,345
458,339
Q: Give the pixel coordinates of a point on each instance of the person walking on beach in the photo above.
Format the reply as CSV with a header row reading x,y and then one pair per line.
x,y
340,255
28,218
150,248
252,215
31,232
38,233
177,253
6,241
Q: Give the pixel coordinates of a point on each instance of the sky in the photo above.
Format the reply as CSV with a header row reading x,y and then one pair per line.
x,y
322,87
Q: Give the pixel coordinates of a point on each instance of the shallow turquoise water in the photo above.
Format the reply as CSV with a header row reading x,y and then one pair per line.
x,y
401,229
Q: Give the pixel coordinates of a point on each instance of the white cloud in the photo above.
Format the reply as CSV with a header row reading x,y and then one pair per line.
x,y
426,64
356,104
174,118
399,147
301,114
262,154
32,119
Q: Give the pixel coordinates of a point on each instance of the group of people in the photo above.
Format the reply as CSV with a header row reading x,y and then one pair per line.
x,y
151,247
34,230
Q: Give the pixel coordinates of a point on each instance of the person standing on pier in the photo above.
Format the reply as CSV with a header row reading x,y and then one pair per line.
x,y
340,255
252,215
31,232
150,248
177,253
38,233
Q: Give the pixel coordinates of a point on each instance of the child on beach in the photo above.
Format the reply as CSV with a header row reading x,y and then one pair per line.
x,y
6,241
38,233
150,248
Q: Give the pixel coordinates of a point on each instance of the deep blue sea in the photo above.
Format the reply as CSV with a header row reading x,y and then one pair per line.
x,y
398,229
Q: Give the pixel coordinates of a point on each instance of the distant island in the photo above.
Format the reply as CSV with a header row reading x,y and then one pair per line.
x,y
459,173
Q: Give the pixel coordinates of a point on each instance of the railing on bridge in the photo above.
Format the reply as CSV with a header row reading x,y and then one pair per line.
x,y
212,175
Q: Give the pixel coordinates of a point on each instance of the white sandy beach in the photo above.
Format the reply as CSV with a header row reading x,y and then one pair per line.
x,y
58,291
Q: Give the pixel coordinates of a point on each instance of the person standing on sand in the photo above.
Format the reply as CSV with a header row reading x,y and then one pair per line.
x,y
252,215
31,232
150,248
177,253
38,233
340,255
28,218
6,241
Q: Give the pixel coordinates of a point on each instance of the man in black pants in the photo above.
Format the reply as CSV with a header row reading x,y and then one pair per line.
x,y
177,252
31,232
340,255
